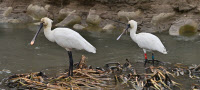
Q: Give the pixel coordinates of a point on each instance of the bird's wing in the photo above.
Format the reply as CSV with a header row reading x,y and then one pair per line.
x,y
151,42
69,39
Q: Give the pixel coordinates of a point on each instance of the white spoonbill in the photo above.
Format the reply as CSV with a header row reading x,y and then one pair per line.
x,y
146,41
66,38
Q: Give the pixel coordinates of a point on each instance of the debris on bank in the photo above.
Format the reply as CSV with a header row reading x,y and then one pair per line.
x,y
113,74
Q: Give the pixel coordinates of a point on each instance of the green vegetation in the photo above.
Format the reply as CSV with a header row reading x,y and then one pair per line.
x,y
187,30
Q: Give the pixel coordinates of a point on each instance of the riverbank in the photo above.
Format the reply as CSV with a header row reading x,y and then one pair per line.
x,y
151,15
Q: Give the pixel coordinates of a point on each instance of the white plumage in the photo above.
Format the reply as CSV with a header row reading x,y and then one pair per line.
x,y
66,38
146,41
150,42
70,39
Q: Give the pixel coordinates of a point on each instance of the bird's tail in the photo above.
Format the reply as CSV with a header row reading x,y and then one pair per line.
x,y
88,47
164,51
91,49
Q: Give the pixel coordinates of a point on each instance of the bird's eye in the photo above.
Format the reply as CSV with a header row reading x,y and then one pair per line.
x,y
44,23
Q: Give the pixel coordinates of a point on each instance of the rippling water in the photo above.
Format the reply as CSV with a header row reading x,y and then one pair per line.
x,y
17,56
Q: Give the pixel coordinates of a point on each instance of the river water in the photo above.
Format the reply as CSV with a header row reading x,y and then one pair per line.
x,y
18,56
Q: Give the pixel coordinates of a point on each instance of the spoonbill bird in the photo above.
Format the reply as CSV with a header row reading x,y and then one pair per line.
x,y
66,38
146,41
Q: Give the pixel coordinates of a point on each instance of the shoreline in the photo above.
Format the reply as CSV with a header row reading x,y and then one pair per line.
x,y
152,16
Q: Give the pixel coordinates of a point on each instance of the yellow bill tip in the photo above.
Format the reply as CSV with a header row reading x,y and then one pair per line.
x,y
32,42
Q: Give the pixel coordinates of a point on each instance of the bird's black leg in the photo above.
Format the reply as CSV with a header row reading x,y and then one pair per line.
x,y
70,64
146,60
69,72
153,58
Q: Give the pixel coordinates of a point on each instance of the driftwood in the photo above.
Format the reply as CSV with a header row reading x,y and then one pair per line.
x,y
158,78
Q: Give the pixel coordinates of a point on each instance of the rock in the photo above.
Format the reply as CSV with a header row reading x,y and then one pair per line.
x,y
123,15
36,12
108,27
8,11
47,7
162,8
183,25
70,20
57,2
184,7
131,2
93,18
78,27
198,9
50,11
161,17
64,12
198,27
13,21
148,27
37,23
24,18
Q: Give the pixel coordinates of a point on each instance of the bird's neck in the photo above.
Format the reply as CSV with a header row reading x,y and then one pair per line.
x,y
48,33
133,31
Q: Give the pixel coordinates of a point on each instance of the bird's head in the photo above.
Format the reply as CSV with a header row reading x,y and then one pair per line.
x,y
44,22
131,24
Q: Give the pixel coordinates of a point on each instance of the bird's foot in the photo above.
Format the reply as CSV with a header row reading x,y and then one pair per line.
x,y
153,62
70,74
